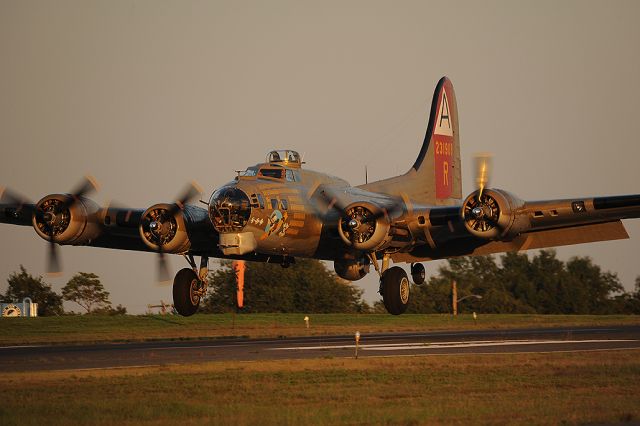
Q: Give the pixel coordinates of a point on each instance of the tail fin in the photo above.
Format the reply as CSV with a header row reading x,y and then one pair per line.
x,y
435,178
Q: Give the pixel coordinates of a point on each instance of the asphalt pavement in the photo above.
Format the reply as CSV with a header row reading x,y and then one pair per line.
x,y
135,354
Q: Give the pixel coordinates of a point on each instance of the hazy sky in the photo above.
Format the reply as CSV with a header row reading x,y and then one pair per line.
x,y
147,95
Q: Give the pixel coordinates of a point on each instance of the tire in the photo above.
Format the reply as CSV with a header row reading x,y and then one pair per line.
x,y
395,290
184,301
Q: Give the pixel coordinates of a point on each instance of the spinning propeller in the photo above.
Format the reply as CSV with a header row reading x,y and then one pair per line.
x,y
52,218
160,227
358,221
481,211
12,198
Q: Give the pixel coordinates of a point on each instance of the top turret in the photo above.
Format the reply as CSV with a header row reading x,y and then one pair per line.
x,y
285,157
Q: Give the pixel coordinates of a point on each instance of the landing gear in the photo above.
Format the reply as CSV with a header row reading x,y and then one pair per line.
x,y
190,287
394,286
185,292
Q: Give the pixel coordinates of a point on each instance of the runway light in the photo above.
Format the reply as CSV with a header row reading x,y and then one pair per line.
x,y
475,317
306,321
357,342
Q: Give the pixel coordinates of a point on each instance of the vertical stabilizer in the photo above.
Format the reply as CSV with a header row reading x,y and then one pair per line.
x,y
435,177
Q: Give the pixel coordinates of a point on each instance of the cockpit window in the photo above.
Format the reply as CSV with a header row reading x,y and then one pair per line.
x,y
272,173
290,176
251,171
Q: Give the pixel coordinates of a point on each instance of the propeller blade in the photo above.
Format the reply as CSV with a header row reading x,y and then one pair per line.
x,y
323,200
192,191
88,185
53,259
164,276
7,196
482,163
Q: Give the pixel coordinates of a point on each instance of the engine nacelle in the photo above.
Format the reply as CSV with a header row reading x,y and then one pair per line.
x,y
352,270
365,227
162,231
493,216
65,220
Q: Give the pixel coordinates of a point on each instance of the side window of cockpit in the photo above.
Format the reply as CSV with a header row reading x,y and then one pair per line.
x,y
274,204
284,204
290,176
272,173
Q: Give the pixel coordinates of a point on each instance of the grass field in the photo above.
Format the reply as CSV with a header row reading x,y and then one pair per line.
x,y
564,388
67,329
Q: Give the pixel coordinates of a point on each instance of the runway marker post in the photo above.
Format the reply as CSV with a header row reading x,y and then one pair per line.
x,y
306,321
357,342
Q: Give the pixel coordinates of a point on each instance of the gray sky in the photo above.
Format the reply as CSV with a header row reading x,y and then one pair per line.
x,y
147,95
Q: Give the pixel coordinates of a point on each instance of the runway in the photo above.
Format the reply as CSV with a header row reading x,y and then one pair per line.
x,y
478,342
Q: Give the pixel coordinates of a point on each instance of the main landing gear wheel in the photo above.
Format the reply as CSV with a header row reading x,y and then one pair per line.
x,y
395,290
185,287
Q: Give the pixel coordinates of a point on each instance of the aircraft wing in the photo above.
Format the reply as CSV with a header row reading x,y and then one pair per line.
x,y
513,225
84,223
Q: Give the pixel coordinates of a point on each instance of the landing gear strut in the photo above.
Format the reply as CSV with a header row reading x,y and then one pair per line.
x,y
394,285
190,286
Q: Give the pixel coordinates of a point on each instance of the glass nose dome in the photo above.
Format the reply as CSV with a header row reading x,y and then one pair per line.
x,y
229,209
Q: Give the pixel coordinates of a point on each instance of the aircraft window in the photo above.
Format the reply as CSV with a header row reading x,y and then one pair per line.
x,y
285,156
251,171
274,203
254,200
229,209
284,204
274,157
272,173
261,201
290,176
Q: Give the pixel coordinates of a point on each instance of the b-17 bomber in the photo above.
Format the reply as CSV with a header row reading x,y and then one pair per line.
x,y
277,211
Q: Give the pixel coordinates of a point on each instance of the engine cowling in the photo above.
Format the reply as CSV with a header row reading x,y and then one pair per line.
x,y
162,231
493,215
65,220
364,226
352,270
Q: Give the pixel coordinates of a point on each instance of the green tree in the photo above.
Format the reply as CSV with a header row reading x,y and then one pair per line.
x,y
306,286
23,284
86,290
543,284
593,288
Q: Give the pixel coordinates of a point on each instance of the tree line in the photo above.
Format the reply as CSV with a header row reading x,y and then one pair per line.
x,y
511,283
516,283
84,288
